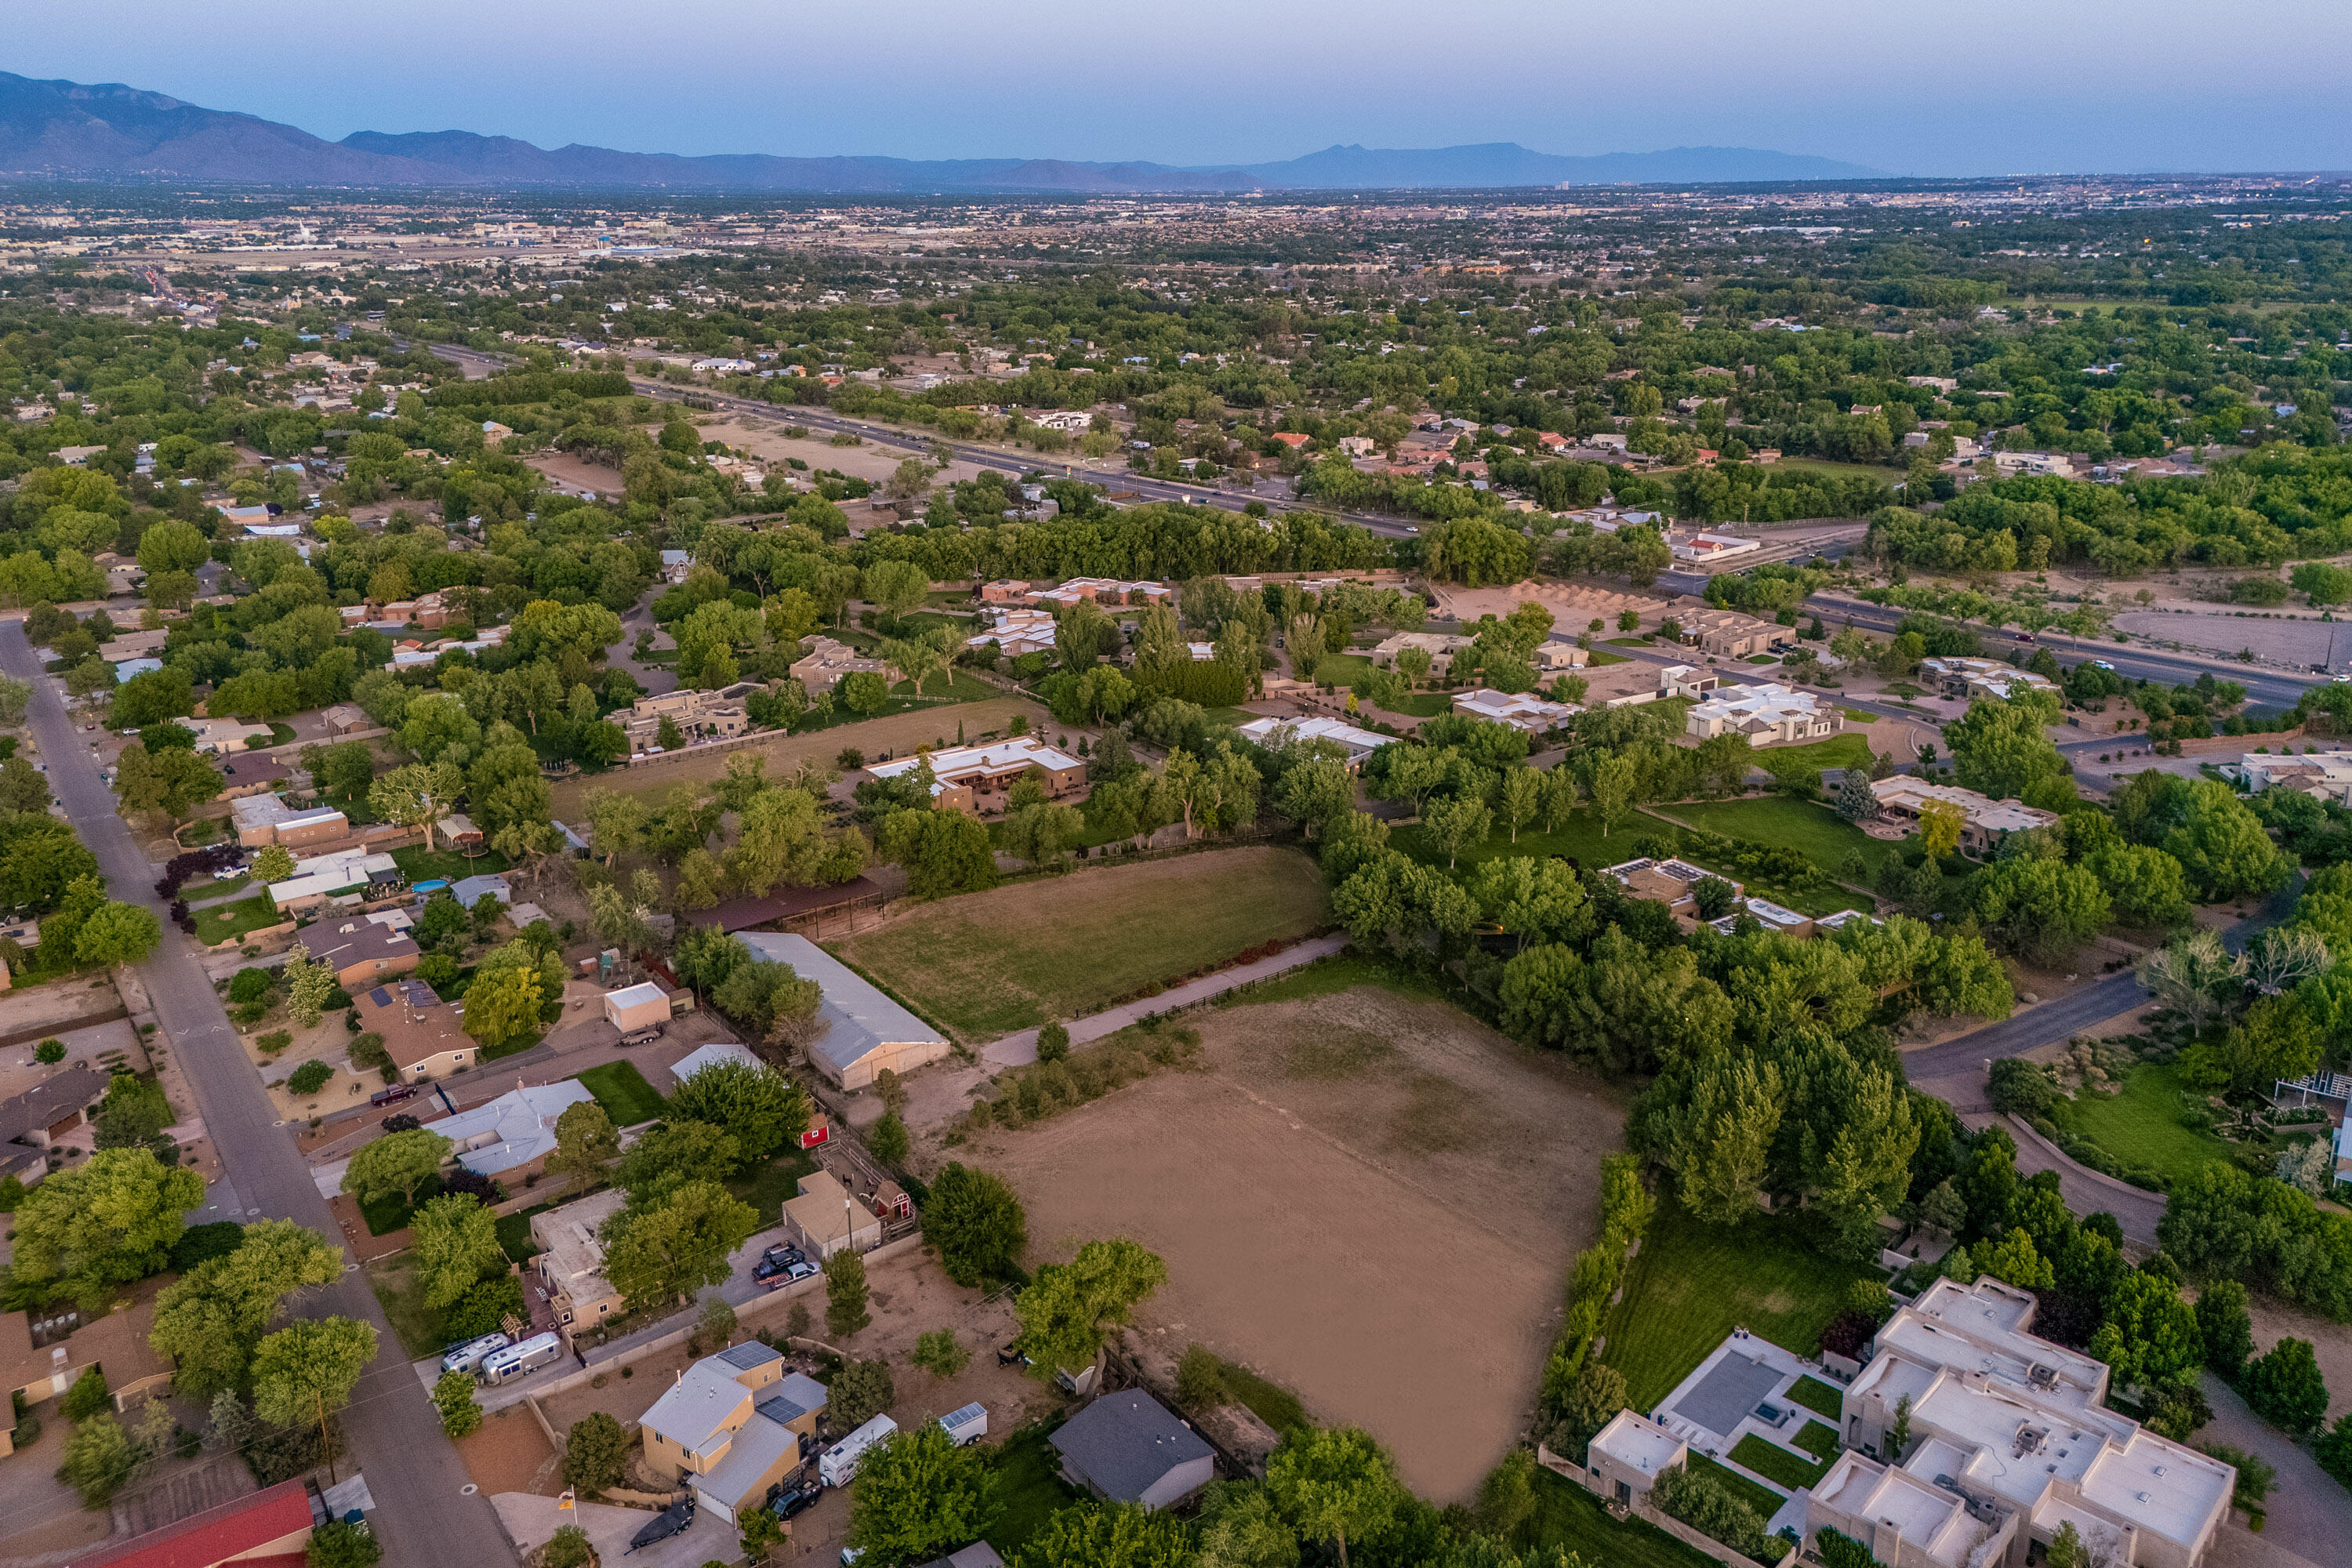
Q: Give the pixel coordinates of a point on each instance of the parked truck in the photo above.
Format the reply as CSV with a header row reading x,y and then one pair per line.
x,y
838,1466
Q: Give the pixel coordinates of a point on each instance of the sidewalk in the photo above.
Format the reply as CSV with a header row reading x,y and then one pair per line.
x,y
1018,1049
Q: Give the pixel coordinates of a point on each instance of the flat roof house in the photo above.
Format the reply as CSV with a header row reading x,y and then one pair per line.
x,y
571,1261
1985,821
827,661
1765,715
970,778
1521,710
864,1031
1727,634
1357,743
828,1217
1621,1463
267,819
2323,775
322,876
1127,1447
635,1007
1971,677
732,1427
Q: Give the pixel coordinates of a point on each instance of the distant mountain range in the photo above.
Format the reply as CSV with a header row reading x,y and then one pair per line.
x,y
64,130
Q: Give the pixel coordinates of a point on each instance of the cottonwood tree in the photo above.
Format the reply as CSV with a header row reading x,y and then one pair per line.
x,y
454,1245
305,1372
680,1244
396,1162
918,1496
976,1222
1333,1482
1070,1308
209,1320
107,1222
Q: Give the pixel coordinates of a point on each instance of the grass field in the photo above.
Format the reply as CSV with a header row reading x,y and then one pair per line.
x,y
989,964
1818,1398
1763,1499
1570,1519
767,1187
223,921
624,1093
1812,829
209,889
1804,762
419,864
514,1234
1692,1284
1267,1400
1579,837
1330,976
1029,1489
1775,1463
2140,1125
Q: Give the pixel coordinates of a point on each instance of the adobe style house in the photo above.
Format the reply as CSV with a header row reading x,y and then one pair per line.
x,y
970,779
826,661
571,1261
1727,634
697,714
1985,821
1765,715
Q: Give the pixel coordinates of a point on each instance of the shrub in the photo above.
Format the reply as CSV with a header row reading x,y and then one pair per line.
x,y
249,1013
860,1391
1201,1380
483,1308
2019,1088
1052,1042
368,1052
87,1397
310,1078
938,1354
340,1544
274,1042
48,1053
251,986
1702,1502
567,1548
596,1454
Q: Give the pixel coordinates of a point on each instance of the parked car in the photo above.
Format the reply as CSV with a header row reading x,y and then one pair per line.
x,y
792,1498
802,1270
2022,637
394,1095
676,1517
775,1265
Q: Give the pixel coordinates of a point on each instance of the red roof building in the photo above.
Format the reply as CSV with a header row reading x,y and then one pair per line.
x,y
267,1530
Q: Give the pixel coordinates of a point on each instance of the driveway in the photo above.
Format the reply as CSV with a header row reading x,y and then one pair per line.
x,y
2309,1512
396,1436
532,1520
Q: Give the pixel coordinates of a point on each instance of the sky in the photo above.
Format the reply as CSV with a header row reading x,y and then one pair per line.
x,y
1998,86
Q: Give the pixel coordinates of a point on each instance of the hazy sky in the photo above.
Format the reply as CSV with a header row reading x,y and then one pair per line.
x,y
2003,86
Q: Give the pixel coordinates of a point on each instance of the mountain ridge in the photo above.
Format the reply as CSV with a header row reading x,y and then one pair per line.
x,y
56,128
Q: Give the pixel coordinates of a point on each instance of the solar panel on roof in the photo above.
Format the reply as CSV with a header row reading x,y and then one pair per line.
x,y
380,996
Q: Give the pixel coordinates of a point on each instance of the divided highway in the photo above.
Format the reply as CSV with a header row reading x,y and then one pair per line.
x,y
418,1482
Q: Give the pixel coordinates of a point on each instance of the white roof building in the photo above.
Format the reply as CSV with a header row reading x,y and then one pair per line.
x,y
864,1031
1522,710
323,874
711,1055
513,1129
1359,743
1764,714
1985,821
2323,775
953,765
1983,677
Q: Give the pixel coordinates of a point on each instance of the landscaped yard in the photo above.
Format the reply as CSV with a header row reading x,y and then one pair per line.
x,y
209,889
1806,761
514,1233
1692,1284
1570,1518
1579,838
419,864
1029,1489
624,1093
2140,1125
1775,1463
988,963
766,1188
1763,1499
1812,829
224,921
1818,1398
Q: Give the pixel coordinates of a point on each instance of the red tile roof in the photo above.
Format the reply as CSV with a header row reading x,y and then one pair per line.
x,y
217,1534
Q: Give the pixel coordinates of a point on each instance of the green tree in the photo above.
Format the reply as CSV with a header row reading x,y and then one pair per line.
x,y
672,1153
1241,1527
1458,823
107,1222
895,586
454,1245
1108,1535
2000,748
1070,1308
976,1224
1719,1144
888,1141
2221,846
584,1141
939,1353
860,1391
1613,787
305,1372
99,1460
2225,1330
678,1245
396,1162
845,1293
87,1397
2285,1388
338,1543
1332,1482
596,1454
918,1496
503,1005
453,1397
761,1109
118,933
2151,1337
2044,910
210,1318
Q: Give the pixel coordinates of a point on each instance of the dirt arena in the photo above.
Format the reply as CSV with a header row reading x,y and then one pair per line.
x,y
1369,1198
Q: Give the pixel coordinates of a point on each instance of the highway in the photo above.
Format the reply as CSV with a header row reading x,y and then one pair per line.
x,y
416,1475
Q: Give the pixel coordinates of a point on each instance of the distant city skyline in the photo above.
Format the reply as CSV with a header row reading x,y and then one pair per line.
x,y
2067,86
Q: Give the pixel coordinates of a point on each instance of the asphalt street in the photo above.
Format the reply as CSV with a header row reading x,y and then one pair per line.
x,y
419,1484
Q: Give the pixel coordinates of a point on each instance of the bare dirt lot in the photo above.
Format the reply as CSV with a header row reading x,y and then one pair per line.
x,y
1369,1198
508,1453
896,734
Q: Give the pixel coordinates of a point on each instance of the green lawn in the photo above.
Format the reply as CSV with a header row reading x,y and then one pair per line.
x,y
1775,1463
1342,669
624,1093
988,963
211,890
1029,1489
1805,762
1763,658
1596,659
388,1214
766,1188
1633,642
1818,1440
1570,1519
2140,1125
1579,837
1692,1284
1763,1499
939,692
1856,716
223,921
418,865
1821,1399
402,1299
1814,830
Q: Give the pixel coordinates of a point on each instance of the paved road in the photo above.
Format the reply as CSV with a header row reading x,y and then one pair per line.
x,y
411,1470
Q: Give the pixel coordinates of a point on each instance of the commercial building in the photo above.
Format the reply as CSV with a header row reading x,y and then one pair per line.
x,y
1521,710
1357,743
421,1034
1985,821
571,1261
862,1031
1765,715
1127,1447
2008,1433
732,1427
970,778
